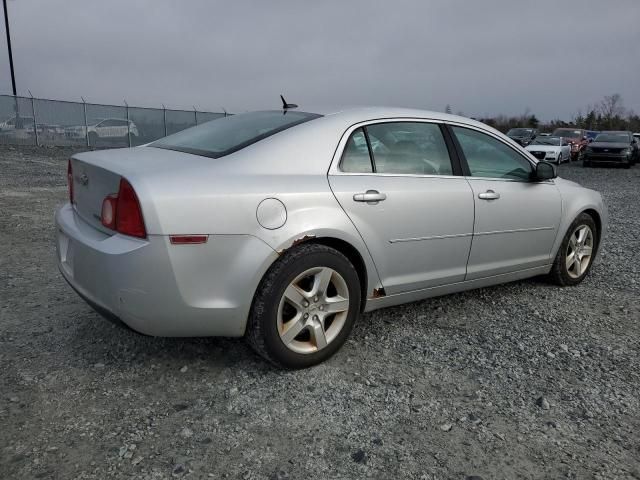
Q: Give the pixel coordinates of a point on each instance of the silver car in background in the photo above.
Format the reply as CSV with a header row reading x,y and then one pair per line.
x,y
283,226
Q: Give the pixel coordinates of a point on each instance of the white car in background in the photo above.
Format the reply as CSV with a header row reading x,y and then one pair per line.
x,y
10,124
550,149
107,129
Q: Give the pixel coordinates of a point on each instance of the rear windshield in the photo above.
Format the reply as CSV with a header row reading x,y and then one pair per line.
x,y
226,135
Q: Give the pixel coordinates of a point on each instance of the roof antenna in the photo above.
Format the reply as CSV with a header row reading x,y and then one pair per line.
x,y
286,105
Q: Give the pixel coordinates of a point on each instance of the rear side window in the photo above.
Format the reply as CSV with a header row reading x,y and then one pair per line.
x,y
490,158
355,156
226,135
410,148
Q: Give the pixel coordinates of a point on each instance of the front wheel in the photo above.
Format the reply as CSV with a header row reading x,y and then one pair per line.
x,y
574,258
305,307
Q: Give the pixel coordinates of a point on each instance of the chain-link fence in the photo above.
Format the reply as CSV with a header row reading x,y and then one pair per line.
x,y
37,121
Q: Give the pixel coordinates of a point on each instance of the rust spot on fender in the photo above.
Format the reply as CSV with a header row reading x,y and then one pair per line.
x,y
297,241
378,292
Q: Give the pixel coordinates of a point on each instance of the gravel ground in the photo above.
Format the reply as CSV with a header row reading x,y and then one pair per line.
x,y
526,380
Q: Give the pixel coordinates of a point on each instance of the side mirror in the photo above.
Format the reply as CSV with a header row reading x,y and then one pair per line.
x,y
545,171
590,140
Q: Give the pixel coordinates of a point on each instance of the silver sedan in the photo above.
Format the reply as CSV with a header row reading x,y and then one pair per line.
x,y
283,226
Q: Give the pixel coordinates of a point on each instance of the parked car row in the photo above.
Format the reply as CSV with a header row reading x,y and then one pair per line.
x,y
571,144
22,127
106,130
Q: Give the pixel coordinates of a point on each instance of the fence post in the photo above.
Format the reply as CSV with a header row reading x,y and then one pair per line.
x,y
86,127
35,121
164,115
128,124
195,114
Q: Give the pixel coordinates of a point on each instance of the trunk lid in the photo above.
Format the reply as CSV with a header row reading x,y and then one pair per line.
x,y
91,184
97,174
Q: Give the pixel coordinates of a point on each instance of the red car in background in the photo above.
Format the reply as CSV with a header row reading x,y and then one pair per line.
x,y
577,139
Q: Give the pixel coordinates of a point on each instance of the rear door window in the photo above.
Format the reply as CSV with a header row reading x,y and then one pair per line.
x,y
416,148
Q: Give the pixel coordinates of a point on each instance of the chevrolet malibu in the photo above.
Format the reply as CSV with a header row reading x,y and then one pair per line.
x,y
283,226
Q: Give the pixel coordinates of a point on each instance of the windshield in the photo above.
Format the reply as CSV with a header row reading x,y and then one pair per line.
x,y
519,132
567,133
613,138
546,141
226,135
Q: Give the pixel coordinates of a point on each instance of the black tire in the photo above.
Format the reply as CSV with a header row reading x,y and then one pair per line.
x,y
93,139
262,327
559,273
586,163
626,164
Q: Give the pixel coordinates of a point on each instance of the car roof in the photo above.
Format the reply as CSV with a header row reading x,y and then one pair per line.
x,y
356,114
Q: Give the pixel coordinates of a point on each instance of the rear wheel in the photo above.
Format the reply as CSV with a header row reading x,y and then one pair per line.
x,y
93,139
574,258
586,163
305,307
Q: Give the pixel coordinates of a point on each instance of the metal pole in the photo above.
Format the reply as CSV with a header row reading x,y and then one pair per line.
x,y
6,29
128,124
195,114
86,126
164,114
35,120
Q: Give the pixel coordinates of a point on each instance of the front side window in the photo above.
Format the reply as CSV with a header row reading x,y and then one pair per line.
x,y
226,135
490,158
416,148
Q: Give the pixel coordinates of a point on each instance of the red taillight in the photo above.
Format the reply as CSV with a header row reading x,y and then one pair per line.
x,y
122,212
128,213
70,180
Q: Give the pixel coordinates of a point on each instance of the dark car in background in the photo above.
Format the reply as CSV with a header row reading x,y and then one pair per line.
x,y
616,147
523,136
577,138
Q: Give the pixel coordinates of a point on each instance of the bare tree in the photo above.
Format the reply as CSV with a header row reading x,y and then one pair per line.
x,y
612,109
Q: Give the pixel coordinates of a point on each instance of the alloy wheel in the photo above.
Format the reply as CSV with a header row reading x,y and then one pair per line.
x,y
313,310
579,251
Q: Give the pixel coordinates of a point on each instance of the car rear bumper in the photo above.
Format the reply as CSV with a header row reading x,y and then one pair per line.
x,y
161,289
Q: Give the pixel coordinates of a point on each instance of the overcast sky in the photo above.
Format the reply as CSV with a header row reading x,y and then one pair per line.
x,y
483,57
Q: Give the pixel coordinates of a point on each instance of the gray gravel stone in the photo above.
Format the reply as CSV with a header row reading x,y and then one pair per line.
x,y
404,372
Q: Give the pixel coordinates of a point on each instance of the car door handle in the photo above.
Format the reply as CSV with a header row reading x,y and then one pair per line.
x,y
489,195
370,196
